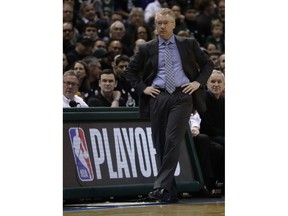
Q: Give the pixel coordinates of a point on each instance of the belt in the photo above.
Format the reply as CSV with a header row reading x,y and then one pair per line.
x,y
176,89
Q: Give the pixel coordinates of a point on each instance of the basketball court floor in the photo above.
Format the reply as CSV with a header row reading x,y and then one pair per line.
x,y
186,206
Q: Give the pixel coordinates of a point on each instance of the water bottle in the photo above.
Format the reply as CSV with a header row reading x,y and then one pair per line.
x,y
130,101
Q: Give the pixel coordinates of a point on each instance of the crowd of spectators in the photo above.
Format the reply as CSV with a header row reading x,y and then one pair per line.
x,y
101,37
103,30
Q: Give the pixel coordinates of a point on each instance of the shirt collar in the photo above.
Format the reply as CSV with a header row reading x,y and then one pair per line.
x,y
67,99
171,40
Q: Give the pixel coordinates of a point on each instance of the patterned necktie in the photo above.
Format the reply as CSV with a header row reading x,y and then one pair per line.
x,y
170,86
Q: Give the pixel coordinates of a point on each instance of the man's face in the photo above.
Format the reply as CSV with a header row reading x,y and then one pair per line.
x,y
67,31
165,25
92,32
107,83
122,65
70,86
222,62
116,48
117,32
216,84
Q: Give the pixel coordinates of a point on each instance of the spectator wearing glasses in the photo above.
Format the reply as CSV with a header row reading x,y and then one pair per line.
x,y
68,33
70,89
69,15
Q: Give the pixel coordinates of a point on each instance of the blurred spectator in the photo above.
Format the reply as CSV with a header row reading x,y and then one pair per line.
x,y
151,9
82,49
107,7
70,88
214,56
69,17
115,47
91,30
120,64
83,72
221,13
183,33
116,16
65,63
136,45
68,33
206,13
179,19
99,43
95,69
222,63
68,13
143,32
217,37
190,13
87,13
117,30
133,30
210,47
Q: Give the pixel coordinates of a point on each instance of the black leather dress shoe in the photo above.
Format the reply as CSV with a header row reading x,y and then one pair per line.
x,y
163,195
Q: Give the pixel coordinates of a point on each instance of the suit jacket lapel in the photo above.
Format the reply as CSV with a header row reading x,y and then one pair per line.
x,y
153,52
184,51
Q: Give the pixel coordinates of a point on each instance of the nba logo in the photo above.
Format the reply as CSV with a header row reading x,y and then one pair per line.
x,y
81,155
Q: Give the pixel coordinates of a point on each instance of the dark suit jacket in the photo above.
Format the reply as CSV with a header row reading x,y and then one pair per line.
x,y
143,69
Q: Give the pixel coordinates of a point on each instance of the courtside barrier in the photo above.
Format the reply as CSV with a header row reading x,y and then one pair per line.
x,y
108,152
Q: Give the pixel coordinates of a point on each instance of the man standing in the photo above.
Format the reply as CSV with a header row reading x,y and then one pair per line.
x,y
168,101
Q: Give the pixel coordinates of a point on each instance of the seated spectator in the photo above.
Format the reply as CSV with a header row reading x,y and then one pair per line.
x,y
136,46
91,29
99,43
83,72
183,33
70,89
210,47
214,56
82,49
68,33
213,119
120,64
70,16
210,155
217,36
180,24
88,12
95,68
222,63
65,63
108,97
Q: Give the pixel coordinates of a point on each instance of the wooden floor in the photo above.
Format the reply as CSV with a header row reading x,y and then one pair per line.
x,y
185,207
